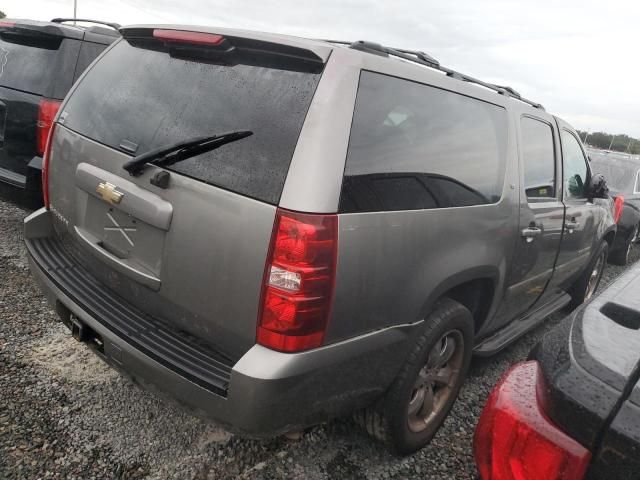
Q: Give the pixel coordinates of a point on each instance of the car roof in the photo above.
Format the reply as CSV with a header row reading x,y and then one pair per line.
x,y
369,52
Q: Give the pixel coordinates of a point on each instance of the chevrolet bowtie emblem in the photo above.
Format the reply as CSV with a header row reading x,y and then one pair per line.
x,y
109,193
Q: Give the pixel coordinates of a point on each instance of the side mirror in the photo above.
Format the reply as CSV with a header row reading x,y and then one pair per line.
x,y
598,187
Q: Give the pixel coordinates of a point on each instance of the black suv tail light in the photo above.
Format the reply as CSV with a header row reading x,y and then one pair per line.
x,y
618,206
46,113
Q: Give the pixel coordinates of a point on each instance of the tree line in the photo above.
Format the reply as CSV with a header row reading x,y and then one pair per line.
x,y
607,141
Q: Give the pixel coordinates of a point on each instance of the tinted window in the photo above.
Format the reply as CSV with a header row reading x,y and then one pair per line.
x,y
538,158
146,97
413,146
575,166
27,62
88,53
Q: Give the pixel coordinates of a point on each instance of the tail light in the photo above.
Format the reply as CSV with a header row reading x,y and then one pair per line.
x,y
618,204
515,440
46,159
46,113
299,281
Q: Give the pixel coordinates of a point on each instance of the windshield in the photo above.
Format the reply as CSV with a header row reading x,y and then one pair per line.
x,y
138,99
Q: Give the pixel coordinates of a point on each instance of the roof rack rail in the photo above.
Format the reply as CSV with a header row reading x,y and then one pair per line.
x,y
115,26
427,60
511,91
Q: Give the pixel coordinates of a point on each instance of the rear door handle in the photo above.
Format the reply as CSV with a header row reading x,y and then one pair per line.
x,y
530,233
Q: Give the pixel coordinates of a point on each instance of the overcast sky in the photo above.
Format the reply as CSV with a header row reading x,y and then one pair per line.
x,y
580,59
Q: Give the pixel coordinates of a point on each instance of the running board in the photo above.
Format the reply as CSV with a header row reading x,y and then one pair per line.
x,y
517,328
7,176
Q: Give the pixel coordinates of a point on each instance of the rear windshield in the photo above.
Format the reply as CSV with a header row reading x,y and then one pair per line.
x,y
147,98
26,62
620,177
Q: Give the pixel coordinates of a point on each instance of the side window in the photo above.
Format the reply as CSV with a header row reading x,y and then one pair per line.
x,y
413,147
539,159
88,53
637,184
574,168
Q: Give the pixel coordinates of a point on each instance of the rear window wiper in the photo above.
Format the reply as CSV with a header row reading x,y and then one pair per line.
x,y
170,154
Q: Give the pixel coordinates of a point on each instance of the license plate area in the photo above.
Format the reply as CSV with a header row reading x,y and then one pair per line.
x,y
124,235
121,223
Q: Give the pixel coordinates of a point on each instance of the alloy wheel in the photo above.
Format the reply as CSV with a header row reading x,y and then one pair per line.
x,y
634,236
594,278
436,381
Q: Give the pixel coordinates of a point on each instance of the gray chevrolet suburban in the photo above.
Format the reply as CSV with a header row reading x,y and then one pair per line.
x,y
277,231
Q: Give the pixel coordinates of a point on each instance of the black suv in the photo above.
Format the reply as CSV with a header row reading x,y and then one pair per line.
x,y
39,62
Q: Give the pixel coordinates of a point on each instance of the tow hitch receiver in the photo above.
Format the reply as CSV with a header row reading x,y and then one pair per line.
x,y
80,330
85,334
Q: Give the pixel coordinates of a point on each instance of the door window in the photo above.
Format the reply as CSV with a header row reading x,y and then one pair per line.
x,y
539,159
575,167
89,51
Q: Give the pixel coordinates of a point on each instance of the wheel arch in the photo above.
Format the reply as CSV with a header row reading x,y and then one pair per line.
x,y
610,236
474,288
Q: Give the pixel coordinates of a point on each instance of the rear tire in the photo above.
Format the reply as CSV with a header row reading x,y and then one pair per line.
x,y
621,255
410,413
587,284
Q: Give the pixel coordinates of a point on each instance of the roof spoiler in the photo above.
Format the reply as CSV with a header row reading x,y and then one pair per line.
x,y
228,49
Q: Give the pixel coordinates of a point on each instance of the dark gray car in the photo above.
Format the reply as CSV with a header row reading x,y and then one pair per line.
x,y
278,231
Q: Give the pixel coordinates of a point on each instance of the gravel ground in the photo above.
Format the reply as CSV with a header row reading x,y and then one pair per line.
x,y
64,414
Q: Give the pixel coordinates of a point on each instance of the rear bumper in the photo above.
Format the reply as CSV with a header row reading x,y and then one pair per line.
x,y
263,393
29,180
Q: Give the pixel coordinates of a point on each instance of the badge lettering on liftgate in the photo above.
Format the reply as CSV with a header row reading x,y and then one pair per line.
x,y
109,193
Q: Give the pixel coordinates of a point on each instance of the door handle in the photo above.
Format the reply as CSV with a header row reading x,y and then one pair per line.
x,y
530,233
572,225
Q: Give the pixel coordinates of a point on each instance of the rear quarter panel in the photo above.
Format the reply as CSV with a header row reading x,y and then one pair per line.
x,y
392,266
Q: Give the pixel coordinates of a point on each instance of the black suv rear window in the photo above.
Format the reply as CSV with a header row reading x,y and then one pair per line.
x,y
27,63
148,98
620,176
413,146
